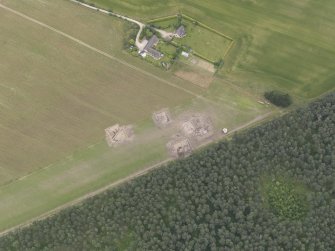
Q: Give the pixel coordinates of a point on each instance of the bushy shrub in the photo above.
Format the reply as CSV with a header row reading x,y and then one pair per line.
x,y
278,98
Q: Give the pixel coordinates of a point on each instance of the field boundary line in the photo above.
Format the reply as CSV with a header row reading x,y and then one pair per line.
x,y
105,54
192,20
206,27
86,196
229,48
159,19
129,178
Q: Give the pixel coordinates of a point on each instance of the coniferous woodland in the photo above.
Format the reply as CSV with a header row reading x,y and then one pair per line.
x,y
269,188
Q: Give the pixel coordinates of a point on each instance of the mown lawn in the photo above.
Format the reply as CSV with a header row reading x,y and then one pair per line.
x,y
199,39
166,49
208,44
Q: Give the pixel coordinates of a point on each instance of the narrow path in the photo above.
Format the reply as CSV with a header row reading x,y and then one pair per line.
x,y
124,180
134,175
86,196
251,122
139,44
106,54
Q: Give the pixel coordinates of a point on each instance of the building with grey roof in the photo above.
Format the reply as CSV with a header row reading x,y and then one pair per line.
x,y
180,32
153,41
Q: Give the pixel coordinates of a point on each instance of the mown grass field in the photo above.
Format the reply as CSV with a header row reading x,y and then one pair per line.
x,y
201,40
288,45
205,42
57,96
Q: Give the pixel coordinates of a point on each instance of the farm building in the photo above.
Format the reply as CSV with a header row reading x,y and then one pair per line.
x,y
149,48
180,32
185,54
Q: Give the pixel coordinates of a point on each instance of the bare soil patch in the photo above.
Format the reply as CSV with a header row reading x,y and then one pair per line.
x,y
162,118
197,78
191,130
202,64
196,71
179,147
198,126
117,135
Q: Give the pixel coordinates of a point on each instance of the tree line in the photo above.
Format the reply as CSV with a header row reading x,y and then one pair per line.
x,y
214,199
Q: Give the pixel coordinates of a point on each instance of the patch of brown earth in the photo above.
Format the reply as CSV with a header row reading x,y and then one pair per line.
x,y
197,78
117,135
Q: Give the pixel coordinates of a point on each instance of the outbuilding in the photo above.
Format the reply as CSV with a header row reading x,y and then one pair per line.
x,y
149,48
185,54
180,32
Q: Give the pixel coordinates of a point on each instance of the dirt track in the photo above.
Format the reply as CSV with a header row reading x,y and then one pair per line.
x,y
126,179
140,45
132,176
104,53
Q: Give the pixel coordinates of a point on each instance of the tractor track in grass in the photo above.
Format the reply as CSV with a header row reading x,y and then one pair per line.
x,y
124,180
106,54
138,173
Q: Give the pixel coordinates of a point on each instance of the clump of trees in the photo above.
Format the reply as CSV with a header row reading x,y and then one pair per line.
x,y
219,63
148,32
212,200
278,98
130,30
179,21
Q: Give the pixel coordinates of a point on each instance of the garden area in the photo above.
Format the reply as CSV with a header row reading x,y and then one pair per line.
x,y
203,41
200,40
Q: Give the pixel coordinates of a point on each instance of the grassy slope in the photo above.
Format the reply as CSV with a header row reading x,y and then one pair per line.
x,y
281,44
64,95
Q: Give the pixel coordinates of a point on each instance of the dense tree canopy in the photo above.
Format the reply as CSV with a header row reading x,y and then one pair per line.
x,y
278,98
214,200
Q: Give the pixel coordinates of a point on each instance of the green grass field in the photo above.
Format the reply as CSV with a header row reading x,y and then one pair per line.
x,y
167,25
49,107
287,45
166,49
57,96
205,42
201,40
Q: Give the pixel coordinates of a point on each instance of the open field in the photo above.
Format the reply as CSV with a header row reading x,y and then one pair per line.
x,y
286,44
50,108
168,24
63,80
57,96
191,70
204,42
62,83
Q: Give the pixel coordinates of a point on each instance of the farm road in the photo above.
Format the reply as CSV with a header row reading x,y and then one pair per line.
x,y
140,45
139,173
106,54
